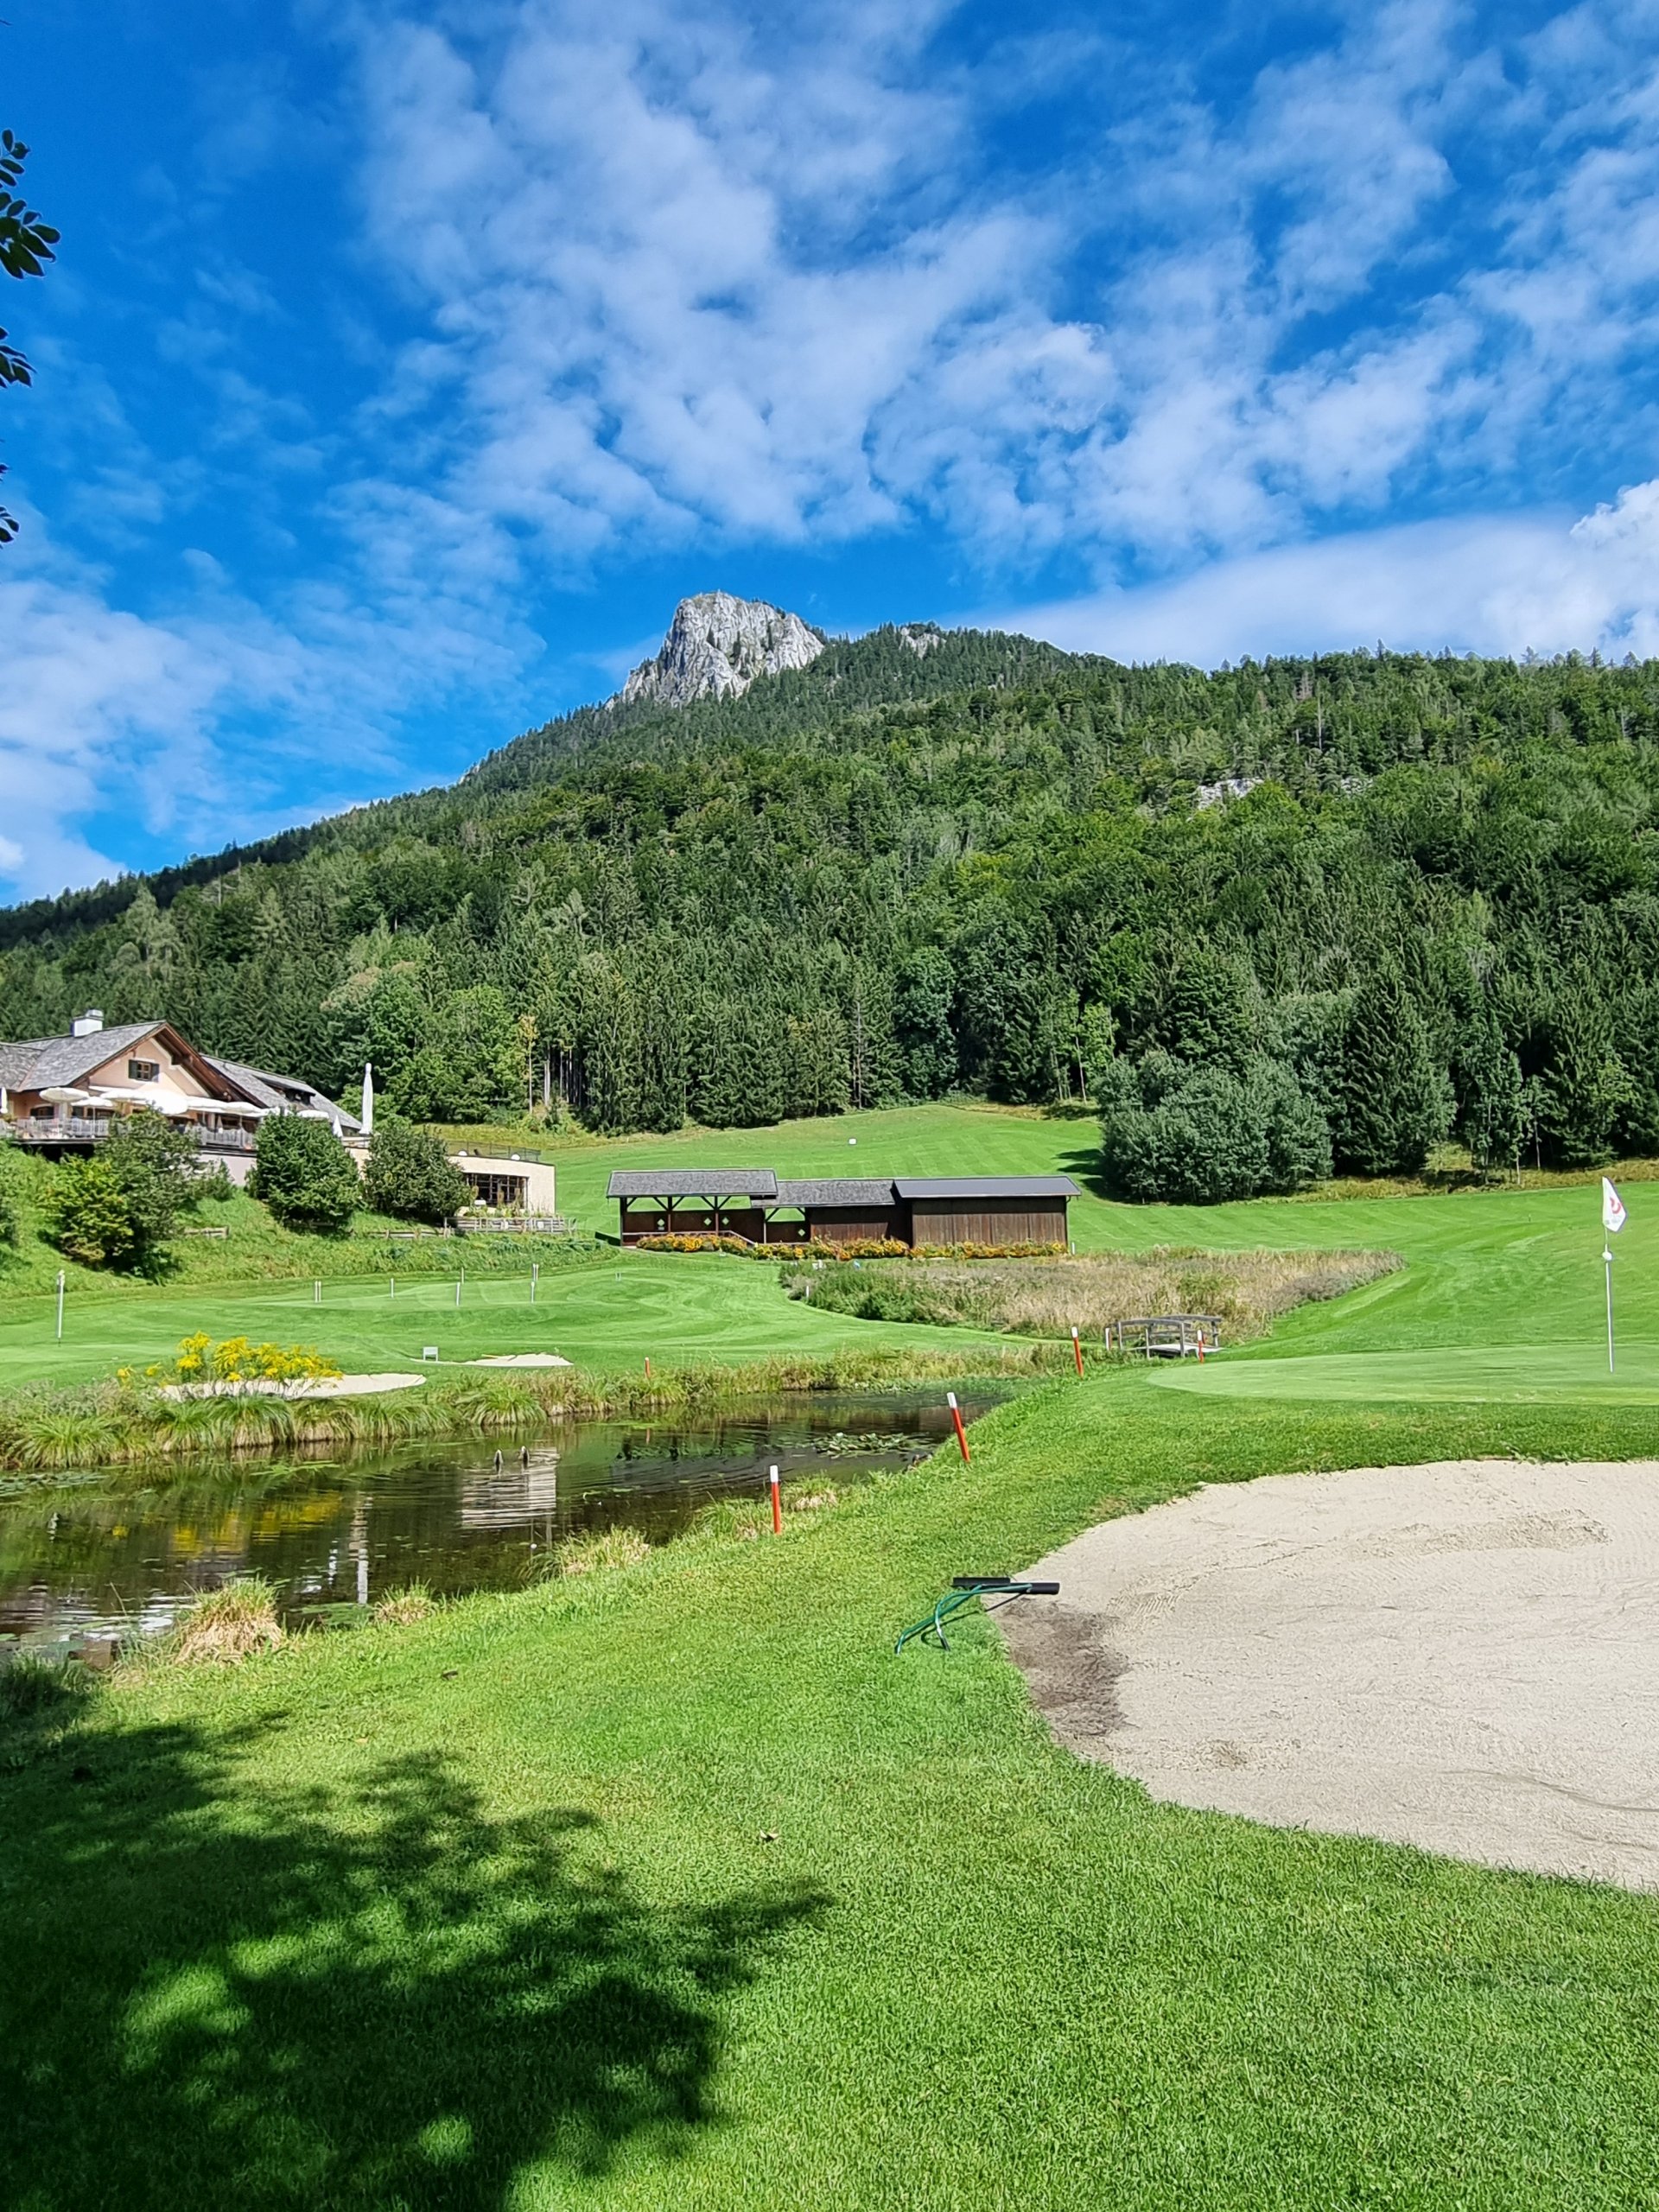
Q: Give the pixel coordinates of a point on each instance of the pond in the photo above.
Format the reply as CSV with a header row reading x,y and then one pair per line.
x,y
96,1559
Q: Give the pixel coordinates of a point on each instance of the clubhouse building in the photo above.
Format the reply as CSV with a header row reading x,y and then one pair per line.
x,y
63,1095
767,1209
60,1096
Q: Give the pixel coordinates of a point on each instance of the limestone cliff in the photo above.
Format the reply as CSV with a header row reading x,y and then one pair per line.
x,y
715,647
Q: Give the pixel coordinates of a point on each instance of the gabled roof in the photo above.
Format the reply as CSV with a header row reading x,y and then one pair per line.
x,y
47,1063
275,1092
837,1190
35,1063
987,1186
692,1183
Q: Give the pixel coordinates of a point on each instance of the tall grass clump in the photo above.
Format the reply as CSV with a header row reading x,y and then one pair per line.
x,y
228,1626
606,1548
403,1608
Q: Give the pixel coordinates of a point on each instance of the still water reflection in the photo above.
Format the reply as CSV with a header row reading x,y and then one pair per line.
x,y
107,1555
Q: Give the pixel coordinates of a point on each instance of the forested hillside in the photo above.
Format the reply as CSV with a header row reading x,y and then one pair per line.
x,y
929,863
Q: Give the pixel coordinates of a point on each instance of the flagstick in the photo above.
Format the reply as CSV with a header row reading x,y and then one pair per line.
x,y
1607,1257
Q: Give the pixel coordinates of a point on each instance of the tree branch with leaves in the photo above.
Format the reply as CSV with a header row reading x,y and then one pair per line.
x,y
26,244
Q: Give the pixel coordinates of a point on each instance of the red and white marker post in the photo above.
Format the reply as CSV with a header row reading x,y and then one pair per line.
x,y
956,1415
1200,1347
777,1507
1077,1351
647,1367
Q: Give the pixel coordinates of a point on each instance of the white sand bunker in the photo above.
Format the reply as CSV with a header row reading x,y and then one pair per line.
x,y
520,1359
1463,1656
309,1385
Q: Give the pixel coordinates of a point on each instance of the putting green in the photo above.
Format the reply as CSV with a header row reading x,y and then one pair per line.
x,y
1482,1374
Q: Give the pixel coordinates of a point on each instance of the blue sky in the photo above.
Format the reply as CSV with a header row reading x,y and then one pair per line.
x,y
404,365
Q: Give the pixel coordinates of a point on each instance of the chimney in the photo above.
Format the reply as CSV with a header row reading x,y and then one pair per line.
x,y
87,1024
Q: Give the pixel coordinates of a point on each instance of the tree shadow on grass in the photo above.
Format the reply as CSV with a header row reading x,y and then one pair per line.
x,y
384,1995
1086,1167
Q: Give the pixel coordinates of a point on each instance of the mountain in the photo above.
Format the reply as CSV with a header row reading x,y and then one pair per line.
x,y
715,647
1261,918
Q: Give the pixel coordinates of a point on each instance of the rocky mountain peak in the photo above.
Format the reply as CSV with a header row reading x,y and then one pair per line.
x,y
715,647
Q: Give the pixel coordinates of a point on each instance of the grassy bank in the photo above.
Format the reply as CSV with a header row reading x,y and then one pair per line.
x,y
669,1882
46,1431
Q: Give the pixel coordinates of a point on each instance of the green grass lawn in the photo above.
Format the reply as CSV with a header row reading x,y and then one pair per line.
x,y
675,1887
610,1314
1515,1275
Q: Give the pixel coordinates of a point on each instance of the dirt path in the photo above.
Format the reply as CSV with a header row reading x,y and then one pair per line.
x,y
1463,1656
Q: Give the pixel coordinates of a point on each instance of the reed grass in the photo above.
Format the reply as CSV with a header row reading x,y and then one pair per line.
x,y
1049,1298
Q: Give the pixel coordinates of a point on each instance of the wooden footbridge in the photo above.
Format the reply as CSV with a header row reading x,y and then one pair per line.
x,y
1166,1335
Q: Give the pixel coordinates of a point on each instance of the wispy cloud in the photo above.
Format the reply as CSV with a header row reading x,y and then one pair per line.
x,y
1496,584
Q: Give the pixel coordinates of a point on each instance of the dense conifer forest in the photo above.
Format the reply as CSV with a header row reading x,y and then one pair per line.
x,y
1294,913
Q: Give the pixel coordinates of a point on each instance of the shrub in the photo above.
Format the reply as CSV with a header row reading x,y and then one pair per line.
x,y
410,1175
1197,1136
740,1247
305,1175
12,1173
117,1207
200,1360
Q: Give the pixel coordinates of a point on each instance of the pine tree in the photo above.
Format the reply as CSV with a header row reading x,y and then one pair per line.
x,y
1395,1103
1494,1119
1583,1091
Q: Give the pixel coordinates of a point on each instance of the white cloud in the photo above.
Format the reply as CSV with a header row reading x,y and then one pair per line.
x,y
215,722
1493,584
681,278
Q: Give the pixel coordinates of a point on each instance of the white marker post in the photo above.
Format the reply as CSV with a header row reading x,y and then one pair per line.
x,y
60,1305
535,1274
316,1292
457,1290
1612,1220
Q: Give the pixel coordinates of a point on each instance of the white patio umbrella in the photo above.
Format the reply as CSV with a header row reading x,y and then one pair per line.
x,y
368,1099
63,1094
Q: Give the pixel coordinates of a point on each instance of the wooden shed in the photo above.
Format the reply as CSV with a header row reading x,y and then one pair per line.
x,y
986,1209
841,1209
844,1208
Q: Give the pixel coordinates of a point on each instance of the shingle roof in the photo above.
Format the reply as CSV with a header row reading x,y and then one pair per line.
x,y
41,1063
987,1186
276,1091
692,1183
837,1190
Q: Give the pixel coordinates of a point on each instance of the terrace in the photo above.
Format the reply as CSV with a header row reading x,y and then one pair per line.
x,y
73,1129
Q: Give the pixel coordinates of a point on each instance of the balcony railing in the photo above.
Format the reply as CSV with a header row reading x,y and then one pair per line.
x,y
89,1128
